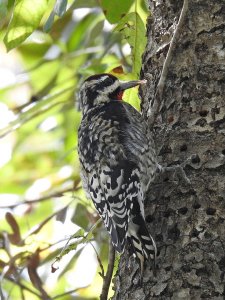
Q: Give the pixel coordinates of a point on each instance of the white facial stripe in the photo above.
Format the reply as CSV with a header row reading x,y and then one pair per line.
x,y
102,94
103,78
96,81
107,89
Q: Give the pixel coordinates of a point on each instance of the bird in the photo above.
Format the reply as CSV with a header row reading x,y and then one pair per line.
x,y
117,162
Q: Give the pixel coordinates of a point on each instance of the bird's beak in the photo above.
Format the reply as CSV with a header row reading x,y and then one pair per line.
x,y
124,85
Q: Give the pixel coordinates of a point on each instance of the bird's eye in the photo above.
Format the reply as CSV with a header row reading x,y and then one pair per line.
x,y
109,80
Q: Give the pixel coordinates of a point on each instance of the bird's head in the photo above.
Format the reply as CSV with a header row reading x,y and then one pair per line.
x,y
103,88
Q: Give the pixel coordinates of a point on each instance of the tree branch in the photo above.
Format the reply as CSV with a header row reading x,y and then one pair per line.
x,y
69,292
102,273
109,273
162,81
44,198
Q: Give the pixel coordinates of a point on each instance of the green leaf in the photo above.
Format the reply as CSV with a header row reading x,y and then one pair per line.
x,y
78,36
131,96
81,238
71,263
94,32
5,11
133,30
26,18
84,4
116,9
3,8
80,216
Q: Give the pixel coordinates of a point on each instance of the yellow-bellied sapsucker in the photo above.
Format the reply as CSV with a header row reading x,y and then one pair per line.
x,y
118,162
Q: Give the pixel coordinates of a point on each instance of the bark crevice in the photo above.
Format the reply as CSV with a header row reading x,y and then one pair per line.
x,y
188,222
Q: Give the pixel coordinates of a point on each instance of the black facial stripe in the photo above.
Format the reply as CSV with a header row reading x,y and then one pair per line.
x,y
91,96
114,94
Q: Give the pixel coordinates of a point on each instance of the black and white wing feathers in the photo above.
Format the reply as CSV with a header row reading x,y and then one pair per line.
x,y
113,191
118,163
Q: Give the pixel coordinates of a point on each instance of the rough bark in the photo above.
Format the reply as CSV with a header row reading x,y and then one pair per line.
x,y
188,222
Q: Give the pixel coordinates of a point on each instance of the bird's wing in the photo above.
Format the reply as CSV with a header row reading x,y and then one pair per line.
x,y
139,145
113,189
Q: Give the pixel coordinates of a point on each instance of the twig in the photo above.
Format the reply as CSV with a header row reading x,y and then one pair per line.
x,y
44,198
67,248
22,286
69,292
166,65
102,273
109,273
38,227
2,297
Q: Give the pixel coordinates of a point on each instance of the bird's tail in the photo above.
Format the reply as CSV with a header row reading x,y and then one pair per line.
x,y
142,243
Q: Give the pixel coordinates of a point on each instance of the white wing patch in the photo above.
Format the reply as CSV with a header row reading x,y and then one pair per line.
x,y
113,191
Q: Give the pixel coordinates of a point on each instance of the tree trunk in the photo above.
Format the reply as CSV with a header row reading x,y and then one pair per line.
x,y
188,222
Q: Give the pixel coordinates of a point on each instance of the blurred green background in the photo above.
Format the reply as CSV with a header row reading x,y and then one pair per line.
x,y
49,248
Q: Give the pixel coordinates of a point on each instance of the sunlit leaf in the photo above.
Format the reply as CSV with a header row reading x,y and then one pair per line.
x,y
115,10
84,4
131,96
3,11
133,29
26,18
80,31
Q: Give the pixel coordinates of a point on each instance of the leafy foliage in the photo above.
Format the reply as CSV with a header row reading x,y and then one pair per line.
x,y
114,15
46,220
25,19
133,29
